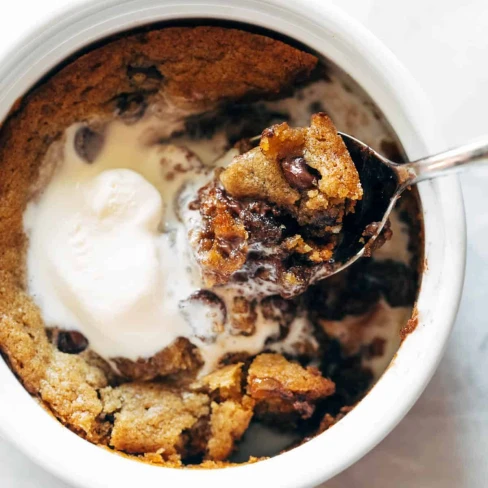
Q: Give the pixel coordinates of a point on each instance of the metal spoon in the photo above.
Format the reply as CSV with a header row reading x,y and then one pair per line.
x,y
383,181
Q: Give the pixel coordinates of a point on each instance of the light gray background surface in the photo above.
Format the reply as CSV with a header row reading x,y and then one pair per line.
x,y
443,442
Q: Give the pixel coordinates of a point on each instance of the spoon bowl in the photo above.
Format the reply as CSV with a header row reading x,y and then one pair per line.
x,y
383,182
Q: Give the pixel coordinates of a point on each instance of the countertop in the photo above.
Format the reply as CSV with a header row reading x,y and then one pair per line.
x,y
443,441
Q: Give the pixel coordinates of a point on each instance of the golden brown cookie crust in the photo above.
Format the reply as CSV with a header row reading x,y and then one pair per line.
x,y
281,387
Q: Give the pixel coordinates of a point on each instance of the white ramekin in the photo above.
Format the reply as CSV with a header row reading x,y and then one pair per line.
x,y
350,46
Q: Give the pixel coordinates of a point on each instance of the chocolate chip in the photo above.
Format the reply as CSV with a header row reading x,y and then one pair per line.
x,y
88,144
130,106
71,342
209,298
230,244
215,313
298,173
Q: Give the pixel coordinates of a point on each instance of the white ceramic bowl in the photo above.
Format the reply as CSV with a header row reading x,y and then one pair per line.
x,y
351,47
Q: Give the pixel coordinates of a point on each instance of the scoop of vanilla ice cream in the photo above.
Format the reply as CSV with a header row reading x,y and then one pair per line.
x,y
105,261
98,260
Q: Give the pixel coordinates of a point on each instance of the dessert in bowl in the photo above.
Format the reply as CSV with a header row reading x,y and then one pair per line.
x,y
108,319
157,305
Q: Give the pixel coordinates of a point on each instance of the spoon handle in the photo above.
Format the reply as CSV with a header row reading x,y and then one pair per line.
x,y
448,162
